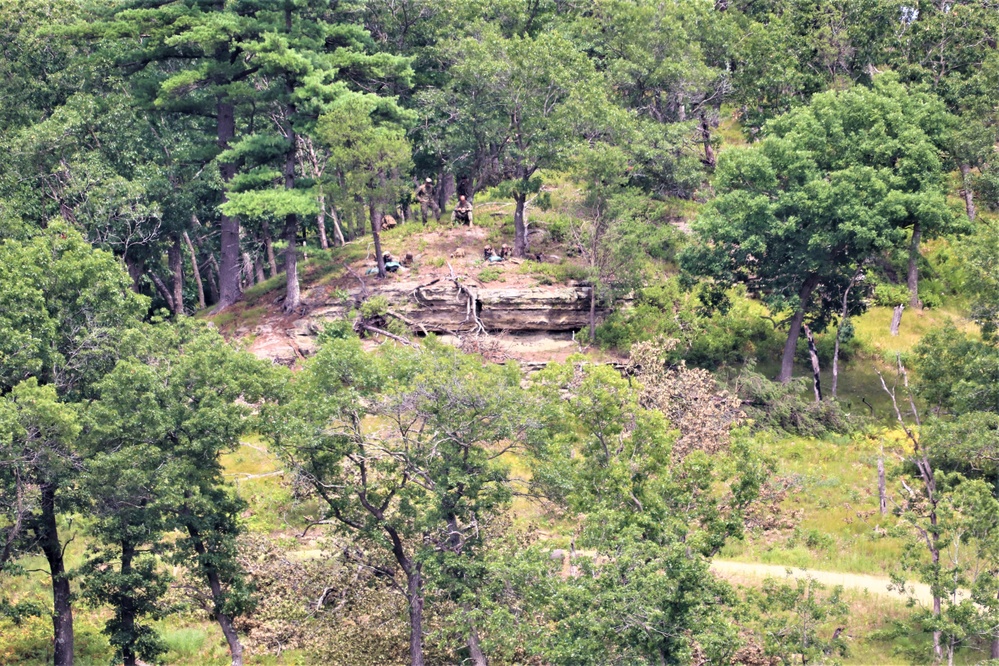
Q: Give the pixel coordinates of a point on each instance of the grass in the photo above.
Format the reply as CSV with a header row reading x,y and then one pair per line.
x,y
259,479
490,275
730,129
554,273
872,328
836,493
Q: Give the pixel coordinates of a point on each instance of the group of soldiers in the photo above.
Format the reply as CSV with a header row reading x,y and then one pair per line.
x,y
462,214
426,196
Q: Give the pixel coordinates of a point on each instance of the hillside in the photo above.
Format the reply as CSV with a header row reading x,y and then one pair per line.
x,y
503,333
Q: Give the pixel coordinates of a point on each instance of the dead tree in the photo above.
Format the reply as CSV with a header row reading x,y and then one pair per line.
x,y
896,319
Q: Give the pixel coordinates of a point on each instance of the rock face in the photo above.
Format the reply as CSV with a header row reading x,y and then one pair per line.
x,y
441,307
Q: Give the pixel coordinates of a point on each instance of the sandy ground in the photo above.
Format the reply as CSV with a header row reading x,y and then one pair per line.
x,y
740,572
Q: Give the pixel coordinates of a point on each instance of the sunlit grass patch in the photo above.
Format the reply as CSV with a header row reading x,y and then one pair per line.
x,y
836,493
260,479
872,328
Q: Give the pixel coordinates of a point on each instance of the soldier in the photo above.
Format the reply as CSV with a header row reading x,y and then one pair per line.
x,y
505,251
425,196
462,213
391,265
487,252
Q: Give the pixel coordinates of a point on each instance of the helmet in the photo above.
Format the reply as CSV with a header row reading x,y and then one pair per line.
x,y
429,180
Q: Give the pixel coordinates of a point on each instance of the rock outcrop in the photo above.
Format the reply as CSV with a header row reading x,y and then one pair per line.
x,y
442,307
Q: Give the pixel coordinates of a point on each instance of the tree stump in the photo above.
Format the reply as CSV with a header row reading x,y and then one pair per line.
x,y
896,319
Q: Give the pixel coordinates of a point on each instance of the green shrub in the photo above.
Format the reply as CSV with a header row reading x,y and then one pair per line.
x,y
728,336
890,295
490,274
558,228
375,306
734,336
825,345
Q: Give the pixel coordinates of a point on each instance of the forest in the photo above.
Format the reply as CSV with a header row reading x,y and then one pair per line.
x,y
540,332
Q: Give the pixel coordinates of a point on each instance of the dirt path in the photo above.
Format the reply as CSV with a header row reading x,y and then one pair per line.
x,y
741,571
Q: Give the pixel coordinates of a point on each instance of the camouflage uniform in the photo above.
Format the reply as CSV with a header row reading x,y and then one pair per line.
x,y
425,195
462,212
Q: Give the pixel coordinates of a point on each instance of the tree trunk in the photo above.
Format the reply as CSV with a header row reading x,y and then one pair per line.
x,y
414,594
135,268
709,152
520,225
934,549
125,607
265,236
896,319
882,487
175,257
475,650
814,356
196,271
218,598
248,270
337,230
937,647
445,190
258,268
843,315
593,313
321,223
213,277
161,288
229,291
376,228
62,610
791,345
994,653
969,206
912,279
293,295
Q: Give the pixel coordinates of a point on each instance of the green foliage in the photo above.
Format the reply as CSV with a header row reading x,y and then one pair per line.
x,y
794,614
890,295
957,372
375,306
979,255
728,336
155,435
140,128
138,587
446,417
63,307
781,406
647,512
559,273
557,227
490,274
871,156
